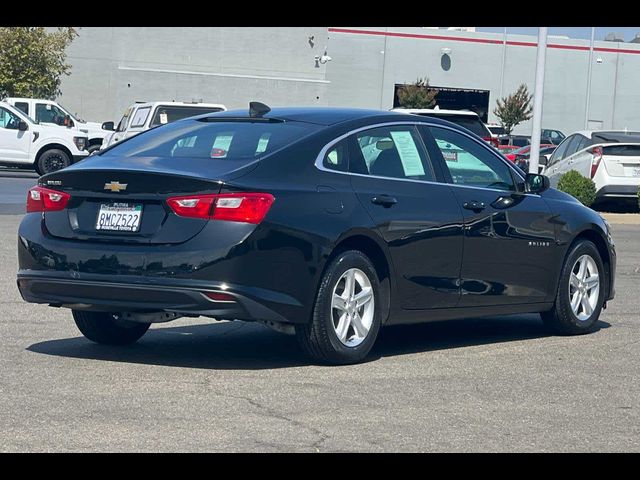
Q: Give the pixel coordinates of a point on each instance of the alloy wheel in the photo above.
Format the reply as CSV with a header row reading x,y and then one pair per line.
x,y
352,307
584,287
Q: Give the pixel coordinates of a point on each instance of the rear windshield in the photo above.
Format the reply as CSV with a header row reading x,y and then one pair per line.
x,y
471,123
167,114
216,140
497,130
616,137
623,150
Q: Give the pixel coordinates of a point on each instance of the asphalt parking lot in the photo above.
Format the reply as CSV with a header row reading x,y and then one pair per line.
x,y
497,384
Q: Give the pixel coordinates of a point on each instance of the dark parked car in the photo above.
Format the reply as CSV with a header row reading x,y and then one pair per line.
x,y
324,222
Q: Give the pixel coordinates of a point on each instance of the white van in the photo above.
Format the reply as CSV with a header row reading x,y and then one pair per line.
x,y
48,112
143,116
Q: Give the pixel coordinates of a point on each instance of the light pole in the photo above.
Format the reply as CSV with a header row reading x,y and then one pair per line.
x,y
537,100
588,100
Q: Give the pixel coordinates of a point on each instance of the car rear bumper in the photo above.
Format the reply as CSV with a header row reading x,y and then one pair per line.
x,y
618,191
125,294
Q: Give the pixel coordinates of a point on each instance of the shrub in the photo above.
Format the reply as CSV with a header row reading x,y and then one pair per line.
x,y
582,188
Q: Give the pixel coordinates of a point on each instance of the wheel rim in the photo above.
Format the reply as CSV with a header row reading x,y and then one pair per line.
x,y
53,163
584,287
352,307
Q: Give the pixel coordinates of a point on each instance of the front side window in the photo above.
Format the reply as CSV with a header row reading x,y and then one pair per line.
x,y
47,113
122,124
394,152
140,117
469,163
8,120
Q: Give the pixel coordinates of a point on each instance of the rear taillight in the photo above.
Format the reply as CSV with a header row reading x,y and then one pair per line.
x,y
595,161
233,207
40,199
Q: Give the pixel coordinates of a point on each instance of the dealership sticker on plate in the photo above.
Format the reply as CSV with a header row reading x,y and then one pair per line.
x,y
119,217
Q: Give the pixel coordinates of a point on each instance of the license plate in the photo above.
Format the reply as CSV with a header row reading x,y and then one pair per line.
x,y
635,172
119,217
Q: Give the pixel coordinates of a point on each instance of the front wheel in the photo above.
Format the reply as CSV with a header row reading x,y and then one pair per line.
x,y
580,292
52,160
107,328
346,315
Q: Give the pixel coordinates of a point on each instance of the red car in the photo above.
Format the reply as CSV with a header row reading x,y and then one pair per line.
x,y
511,156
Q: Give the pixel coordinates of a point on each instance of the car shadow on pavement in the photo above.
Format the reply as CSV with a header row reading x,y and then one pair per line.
x,y
247,346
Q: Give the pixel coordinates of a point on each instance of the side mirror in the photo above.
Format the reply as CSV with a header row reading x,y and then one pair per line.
x,y
22,126
108,126
542,160
536,183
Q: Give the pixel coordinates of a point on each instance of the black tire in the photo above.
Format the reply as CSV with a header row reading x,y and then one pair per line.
x,y
107,329
561,319
93,148
52,160
319,338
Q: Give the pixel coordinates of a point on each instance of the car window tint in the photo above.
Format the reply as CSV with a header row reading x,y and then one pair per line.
x,y
48,113
337,157
24,106
394,152
573,146
471,164
214,140
584,143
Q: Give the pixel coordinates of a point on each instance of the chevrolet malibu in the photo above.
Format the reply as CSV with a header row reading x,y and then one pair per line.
x,y
326,223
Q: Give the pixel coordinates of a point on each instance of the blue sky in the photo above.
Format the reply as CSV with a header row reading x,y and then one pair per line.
x,y
572,32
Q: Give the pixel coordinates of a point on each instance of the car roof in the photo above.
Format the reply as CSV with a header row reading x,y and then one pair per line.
x,y
322,115
179,104
435,111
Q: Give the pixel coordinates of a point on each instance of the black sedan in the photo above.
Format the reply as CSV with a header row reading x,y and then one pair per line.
x,y
326,223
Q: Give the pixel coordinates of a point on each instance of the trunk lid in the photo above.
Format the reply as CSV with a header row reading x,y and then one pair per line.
x,y
126,185
622,160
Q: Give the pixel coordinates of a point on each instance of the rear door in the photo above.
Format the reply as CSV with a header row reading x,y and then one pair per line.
x,y
418,218
553,168
509,253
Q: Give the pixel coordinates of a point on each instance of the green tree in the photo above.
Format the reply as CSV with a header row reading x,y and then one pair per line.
x,y
417,95
514,109
33,60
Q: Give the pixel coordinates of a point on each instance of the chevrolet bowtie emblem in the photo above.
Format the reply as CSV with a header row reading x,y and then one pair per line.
x,y
115,186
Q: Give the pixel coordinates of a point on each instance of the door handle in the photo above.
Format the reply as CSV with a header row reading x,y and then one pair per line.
x,y
474,205
384,200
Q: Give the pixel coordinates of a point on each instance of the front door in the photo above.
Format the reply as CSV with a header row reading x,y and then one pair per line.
x,y
419,219
14,143
509,242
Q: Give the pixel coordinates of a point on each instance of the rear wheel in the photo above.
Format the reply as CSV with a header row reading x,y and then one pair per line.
x,y
52,160
107,328
346,315
580,292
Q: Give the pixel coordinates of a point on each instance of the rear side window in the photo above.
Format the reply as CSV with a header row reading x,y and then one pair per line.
x,y
337,158
393,152
166,114
24,106
218,140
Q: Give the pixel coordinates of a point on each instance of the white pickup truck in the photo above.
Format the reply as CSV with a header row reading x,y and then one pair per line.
x,y
27,143
142,116
52,113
